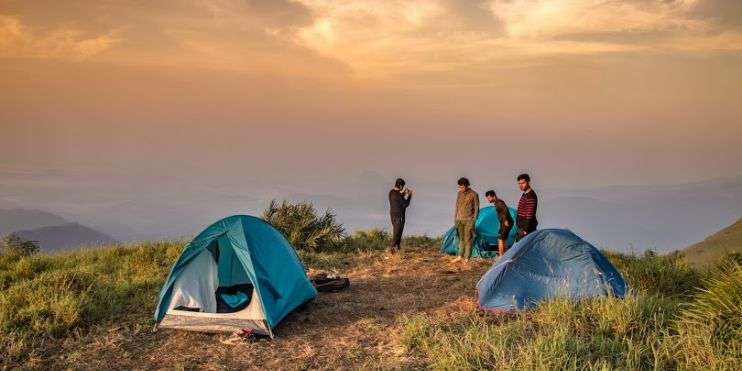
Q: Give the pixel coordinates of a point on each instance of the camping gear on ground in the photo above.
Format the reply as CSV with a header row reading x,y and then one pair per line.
x,y
240,273
486,230
332,283
545,264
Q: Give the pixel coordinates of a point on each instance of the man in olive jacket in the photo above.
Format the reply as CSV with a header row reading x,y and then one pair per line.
x,y
465,216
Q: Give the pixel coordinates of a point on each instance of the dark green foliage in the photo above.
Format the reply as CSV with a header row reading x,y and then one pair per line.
x,y
14,245
367,240
304,229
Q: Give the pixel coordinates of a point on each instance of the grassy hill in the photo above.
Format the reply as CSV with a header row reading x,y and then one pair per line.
x,y
714,247
416,310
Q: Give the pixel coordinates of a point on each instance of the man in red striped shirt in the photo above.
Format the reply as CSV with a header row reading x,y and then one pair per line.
x,y
526,215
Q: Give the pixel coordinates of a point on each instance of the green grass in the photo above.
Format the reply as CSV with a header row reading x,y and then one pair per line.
x,y
47,297
664,323
675,317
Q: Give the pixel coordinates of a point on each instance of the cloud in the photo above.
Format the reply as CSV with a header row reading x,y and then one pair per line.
x,y
366,39
19,41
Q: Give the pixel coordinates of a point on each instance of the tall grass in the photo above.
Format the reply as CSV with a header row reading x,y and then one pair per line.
x,y
45,297
662,325
674,318
597,334
709,330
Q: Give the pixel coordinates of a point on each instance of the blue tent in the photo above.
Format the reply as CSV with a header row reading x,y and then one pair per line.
x,y
239,273
485,239
545,264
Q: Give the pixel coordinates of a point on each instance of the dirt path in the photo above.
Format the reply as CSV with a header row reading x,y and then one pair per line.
x,y
356,328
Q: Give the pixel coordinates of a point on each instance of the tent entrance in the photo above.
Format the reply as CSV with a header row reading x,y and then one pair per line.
x,y
214,293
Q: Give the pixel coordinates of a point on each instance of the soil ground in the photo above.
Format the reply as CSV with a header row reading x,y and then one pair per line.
x,y
356,328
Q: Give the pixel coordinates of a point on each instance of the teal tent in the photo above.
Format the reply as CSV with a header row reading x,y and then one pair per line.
x,y
485,240
239,273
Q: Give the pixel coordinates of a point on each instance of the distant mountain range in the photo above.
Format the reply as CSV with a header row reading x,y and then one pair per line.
x,y
51,231
725,241
12,220
622,218
63,237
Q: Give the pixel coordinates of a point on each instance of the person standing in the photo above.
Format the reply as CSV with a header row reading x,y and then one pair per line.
x,y
503,216
399,199
465,216
526,215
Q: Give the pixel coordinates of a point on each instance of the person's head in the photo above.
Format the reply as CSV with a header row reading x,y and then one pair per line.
x,y
463,184
399,183
524,182
491,196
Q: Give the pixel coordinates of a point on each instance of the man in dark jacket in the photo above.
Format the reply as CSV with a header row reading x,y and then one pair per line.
x,y
526,218
503,216
399,199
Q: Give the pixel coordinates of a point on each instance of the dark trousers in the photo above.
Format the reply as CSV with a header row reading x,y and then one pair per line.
x,y
522,232
397,228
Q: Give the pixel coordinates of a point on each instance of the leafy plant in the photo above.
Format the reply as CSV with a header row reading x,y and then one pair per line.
x,y
302,226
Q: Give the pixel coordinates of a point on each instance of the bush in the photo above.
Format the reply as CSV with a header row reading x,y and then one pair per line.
x,y
14,245
304,229
367,240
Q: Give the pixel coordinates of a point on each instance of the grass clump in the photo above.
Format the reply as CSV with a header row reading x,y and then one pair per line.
x,y
650,273
49,297
709,329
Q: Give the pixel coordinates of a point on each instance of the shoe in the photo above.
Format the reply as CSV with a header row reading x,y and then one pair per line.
x,y
456,260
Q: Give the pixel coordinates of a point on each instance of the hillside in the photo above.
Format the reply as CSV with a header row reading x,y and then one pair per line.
x,y
416,310
16,219
66,236
725,241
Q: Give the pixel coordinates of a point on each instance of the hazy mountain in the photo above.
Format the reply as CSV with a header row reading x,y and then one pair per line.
x,y
725,241
624,218
67,236
641,217
15,219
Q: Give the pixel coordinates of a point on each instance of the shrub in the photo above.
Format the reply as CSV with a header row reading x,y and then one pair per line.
x,y
14,245
366,240
301,225
422,241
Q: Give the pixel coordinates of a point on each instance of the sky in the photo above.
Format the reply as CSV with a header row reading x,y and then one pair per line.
x,y
110,100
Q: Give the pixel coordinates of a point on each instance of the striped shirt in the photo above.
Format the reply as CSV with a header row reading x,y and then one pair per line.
x,y
527,210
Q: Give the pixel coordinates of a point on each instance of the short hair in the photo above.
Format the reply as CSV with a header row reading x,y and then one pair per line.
x,y
463,182
490,193
525,177
399,183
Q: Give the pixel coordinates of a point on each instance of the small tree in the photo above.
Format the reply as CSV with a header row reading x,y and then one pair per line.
x,y
13,244
303,227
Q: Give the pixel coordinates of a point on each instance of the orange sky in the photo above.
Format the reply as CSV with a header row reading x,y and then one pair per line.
x,y
607,92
